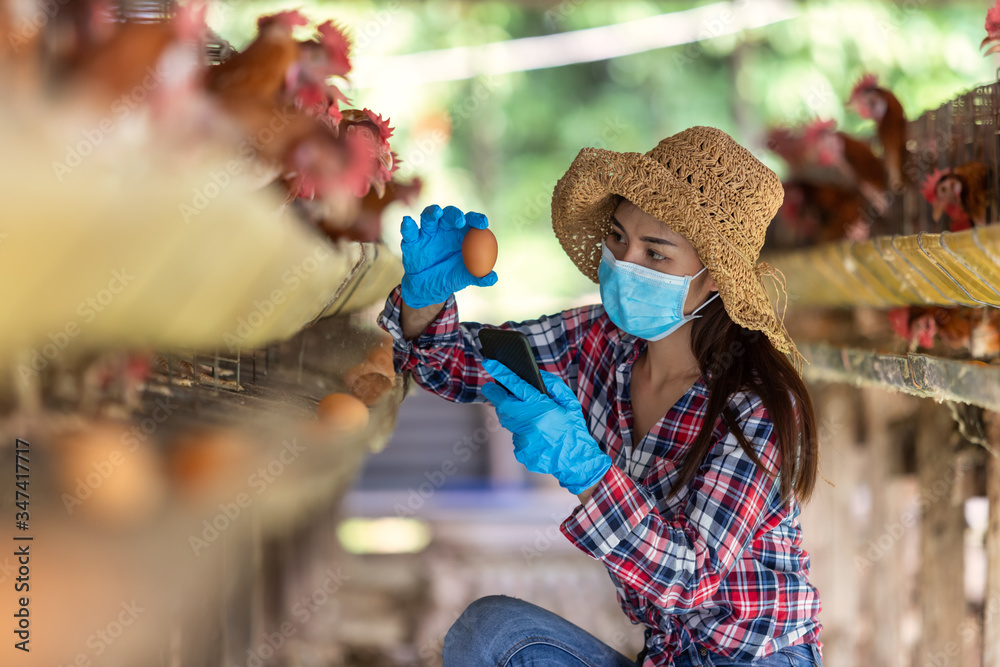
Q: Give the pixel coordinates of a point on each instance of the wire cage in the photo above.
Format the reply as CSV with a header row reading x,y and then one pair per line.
x,y
157,11
959,131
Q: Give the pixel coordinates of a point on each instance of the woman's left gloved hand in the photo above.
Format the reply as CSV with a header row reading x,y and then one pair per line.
x,y
550,434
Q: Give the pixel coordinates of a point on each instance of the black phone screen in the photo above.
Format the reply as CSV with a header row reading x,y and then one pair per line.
x,y
511,348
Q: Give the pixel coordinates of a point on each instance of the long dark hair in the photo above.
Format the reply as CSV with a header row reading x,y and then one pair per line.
x,y
733,358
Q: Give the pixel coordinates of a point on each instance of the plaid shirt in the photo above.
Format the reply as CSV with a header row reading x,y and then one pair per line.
x,y
719,564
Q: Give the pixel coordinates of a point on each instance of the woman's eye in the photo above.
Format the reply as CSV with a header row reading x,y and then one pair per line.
x,y
618,237
656,256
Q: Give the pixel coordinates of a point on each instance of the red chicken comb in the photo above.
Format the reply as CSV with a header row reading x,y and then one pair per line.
x,y
384,131
899,320
337,46
817,128
929,187
288,19
993,20
866,83
992,26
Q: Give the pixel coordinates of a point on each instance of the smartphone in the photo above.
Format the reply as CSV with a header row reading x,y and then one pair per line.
x,y
511,348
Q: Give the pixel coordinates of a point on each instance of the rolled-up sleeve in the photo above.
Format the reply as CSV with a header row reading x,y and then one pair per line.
x,y
678,563
446,358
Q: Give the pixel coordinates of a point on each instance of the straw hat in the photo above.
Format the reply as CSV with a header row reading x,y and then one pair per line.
x,y
709,189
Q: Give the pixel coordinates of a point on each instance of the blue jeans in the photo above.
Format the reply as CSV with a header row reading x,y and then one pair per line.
x,y
501,631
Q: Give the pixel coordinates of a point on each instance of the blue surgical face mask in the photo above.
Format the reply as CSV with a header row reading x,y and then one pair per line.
x,y
643,302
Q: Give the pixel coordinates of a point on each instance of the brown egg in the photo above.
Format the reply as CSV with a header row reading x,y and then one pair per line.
x,y
370,387
109,476
479,251
208,461
343,412
381,358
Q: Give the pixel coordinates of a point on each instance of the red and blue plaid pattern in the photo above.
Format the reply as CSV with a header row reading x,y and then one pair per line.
x,y
720,564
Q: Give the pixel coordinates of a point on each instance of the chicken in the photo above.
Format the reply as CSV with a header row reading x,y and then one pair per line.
x,y
791,147
822,213
259,72
271,105
320,59
823,197
992,29
914,325
324,157
123,373
963,193
365,223
276,69
875,103
853,158
919,325
130,63
353,158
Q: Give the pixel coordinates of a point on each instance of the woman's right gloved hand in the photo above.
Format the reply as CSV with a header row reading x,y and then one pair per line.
x,y
432,255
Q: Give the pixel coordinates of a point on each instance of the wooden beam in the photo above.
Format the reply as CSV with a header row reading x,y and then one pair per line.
x,y
917,374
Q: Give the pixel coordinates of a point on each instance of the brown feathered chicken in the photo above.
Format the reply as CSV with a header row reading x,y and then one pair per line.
x,y
259,72
963,193
822,213
851,157
824,198
122,63
870,101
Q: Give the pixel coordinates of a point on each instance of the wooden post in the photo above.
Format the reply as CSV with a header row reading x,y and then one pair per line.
x,y
991,600
883,555
942,542
829,522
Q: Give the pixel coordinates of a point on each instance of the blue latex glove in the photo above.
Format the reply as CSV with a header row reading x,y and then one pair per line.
x,y
550,434
432,255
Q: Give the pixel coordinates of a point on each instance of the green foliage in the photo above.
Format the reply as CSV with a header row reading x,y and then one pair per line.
x,y
508,146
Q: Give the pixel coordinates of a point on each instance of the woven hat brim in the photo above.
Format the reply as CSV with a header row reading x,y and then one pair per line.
x,y
581,219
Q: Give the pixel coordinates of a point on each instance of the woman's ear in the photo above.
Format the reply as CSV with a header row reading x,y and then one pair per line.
x,y
710,283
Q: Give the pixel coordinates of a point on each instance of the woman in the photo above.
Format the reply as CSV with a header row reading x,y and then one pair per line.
x,y
688,437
